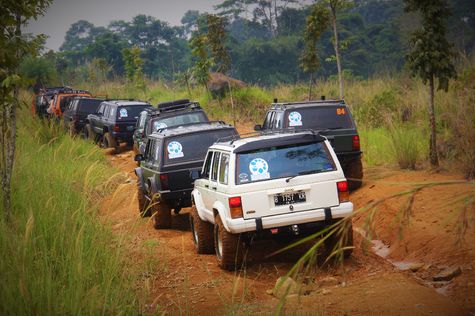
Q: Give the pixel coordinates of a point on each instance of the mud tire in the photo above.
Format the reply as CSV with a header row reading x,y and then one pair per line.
x,y
229,247
144,209
89,133
202,233
162,216
354,174
110,142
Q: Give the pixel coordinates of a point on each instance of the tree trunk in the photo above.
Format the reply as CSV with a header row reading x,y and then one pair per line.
x,y
310,87
434,160
336,46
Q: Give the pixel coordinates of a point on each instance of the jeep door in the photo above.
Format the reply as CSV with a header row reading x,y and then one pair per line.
x,y
151,161
204,184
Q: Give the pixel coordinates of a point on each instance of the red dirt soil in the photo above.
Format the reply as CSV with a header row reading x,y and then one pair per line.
x,y
175,279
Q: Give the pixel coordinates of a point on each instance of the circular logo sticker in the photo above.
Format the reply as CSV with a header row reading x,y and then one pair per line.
x,y
159,125
295,119
123,112
259,169
175,150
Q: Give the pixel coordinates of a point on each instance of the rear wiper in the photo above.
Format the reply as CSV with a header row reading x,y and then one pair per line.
x,y
303,173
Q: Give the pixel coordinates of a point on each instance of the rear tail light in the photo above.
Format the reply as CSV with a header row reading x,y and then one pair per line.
x,y
356,143
235,207
116,128
164,181
343,191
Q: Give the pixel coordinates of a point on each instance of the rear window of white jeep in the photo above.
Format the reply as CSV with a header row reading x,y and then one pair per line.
x,y
281,162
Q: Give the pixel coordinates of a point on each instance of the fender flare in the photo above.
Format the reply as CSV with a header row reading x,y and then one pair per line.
x,y
138,173
199,204
220,209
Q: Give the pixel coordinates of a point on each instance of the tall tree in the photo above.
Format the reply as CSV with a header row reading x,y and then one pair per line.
x,y
133,65
216,40
13,47
431,56
203,62
336,6
317,23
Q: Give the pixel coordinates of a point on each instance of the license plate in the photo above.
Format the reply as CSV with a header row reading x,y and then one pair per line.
x,y
289,198
130,128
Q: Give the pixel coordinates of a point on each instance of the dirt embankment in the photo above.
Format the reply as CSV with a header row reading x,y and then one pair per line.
x,y
180,281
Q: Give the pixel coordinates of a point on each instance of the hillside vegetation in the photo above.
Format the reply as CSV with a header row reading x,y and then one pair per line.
x,y
57,257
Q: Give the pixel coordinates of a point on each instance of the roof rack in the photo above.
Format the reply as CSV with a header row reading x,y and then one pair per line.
x,y
283,105
178,105
160,130
233,138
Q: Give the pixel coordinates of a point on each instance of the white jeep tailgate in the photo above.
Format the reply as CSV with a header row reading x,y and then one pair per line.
x,y
260,202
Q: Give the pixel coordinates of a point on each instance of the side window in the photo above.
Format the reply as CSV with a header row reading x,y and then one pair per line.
x,y
143,119
278,120
223,169
112,112
106,110
101,108
148,150
214,170
268,120
207,166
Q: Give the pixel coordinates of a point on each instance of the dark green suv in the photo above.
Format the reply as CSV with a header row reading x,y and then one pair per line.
x,y
172,161
331,118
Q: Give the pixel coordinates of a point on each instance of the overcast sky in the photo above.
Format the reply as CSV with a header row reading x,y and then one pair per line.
x,y
62,13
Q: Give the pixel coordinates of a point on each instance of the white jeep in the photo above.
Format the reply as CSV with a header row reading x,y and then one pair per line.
x,y
267,185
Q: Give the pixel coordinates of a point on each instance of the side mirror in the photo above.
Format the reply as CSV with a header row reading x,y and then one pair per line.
x,y
138,157
142,149
258,127
195,174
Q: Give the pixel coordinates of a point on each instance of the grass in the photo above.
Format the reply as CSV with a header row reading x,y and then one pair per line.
x,y
57,257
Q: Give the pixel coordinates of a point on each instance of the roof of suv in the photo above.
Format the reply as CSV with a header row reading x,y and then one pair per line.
x,y
294,105
126,102
271,139
191,128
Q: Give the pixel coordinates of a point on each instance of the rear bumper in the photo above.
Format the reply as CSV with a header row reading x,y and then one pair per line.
x,y
124,136
180,198
241,225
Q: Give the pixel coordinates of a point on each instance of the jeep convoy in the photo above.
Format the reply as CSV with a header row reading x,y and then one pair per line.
x,y
289,179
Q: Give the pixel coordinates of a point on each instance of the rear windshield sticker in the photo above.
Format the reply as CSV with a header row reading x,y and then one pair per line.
x,y
340,111
175,150
243,177
123,113
259,169
295,119
159,125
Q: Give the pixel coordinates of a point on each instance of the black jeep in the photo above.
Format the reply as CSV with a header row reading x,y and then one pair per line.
x,y
171,163
76,114
331,118
114,122
167,114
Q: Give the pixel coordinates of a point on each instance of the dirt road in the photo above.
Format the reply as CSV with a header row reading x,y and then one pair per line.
x,y
182,282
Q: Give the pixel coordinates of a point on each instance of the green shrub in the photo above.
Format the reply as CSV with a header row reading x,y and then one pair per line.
x,y
406,144
57,257
380,108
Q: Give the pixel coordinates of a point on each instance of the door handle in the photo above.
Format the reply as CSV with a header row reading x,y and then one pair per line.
x,y
206,186
214,188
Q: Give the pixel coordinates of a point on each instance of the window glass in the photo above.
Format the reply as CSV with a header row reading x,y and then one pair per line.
x,y
142,120
130,111
283,161
223,169
267,120
112,111
186,118
214,170
207,166
148,150
87,105
279,120
192,146
319,117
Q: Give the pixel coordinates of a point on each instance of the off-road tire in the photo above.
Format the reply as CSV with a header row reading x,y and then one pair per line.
x,y
230,251
202,233
332,241
354,174
144,209
162,216
89,133
110,142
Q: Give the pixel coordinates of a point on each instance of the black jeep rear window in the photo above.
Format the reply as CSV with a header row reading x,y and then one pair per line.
x,y
194,146
283,161
130,111
319,117
88,105
185,118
